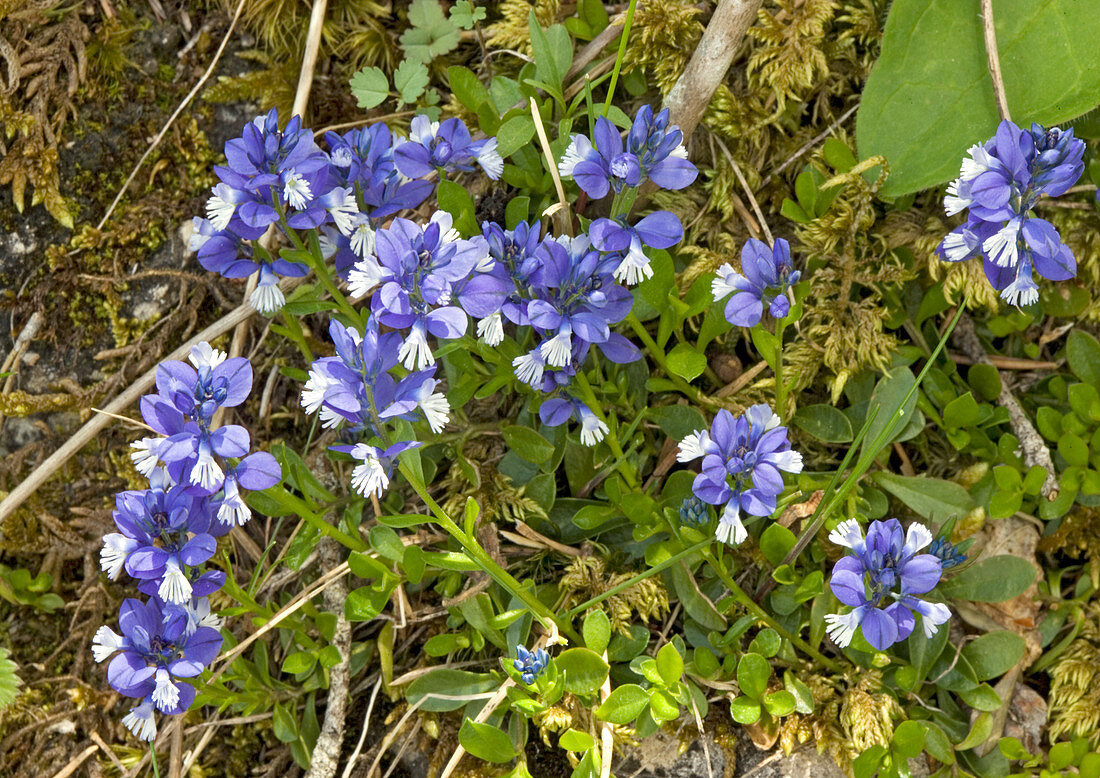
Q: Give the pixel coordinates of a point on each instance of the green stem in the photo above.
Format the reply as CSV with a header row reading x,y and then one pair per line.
x,y
294,328
538,609
621,55
777,369
658,355
740,596
153,759
581,381
322,271
639,577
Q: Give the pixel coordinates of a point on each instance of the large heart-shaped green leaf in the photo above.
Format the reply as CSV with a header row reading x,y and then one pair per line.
x,y
930,96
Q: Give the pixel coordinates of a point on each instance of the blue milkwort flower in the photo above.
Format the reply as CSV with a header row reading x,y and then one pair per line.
x,y
372,474
530,664
182,411
229,253
421,272
654,151
363,158
445,146
880,577
999,185
163,531
694,512
947,552
742,462
766,276
151,657
511,262
355,387
659,230
574,301
559,410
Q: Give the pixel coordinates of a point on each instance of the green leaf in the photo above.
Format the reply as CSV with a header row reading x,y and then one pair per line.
x,y
299,662
553,50
866,764
995,579
766,643
824,422
1083,355
456,200
670,664
744,710
776,542
979,733
930,96
9,681
528,444
695,603
596,631
932,498
514,134
961,412
283,723
994,653
516,211
370,87
981,697
887,396
686,362
753,672
780,703
678,421
365,603
908,740
804,698
465,14
445,689
584,670
431,35
985,380
387,543
624,704
486,742
465,85
410,79
575,740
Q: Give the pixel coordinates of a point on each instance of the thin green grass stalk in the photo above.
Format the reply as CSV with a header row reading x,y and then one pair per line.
x,y
638,578
837,496
621,55
473,549
153,759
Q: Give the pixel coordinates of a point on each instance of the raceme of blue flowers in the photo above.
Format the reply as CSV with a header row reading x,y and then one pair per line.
x,y
420,282
167,532
998,186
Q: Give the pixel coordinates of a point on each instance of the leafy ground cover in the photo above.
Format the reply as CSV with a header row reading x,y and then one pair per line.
x,y
558,432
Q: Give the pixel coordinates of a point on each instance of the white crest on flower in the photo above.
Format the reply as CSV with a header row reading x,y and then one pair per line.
x,y
166,696
592,429
362,239
220,206
175,587
1002,247
691,447
634,267
1022,291
724,283
296,190
112,556
345,213
528,368
730,530
436,410
140,721
491,329
842,626
558,351
206,472
955,247
576,152
414,352
953,203
850,535
370,476
916,537
490,160
267,297
106,642
365,275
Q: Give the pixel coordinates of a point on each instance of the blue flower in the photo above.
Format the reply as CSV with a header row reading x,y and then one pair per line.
x,y
654,151
530,664
356,388
151,657
559,410
182,411
879,578
742,462
446,146
999,185
573,301
372,475
694,512
947,552
421,272
363,158
659,230
767,275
